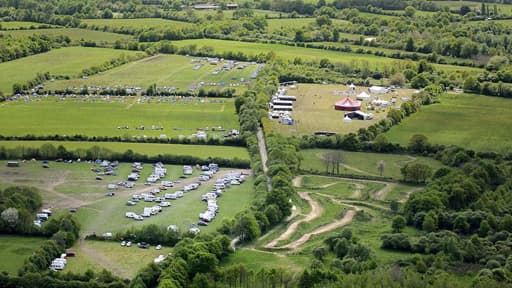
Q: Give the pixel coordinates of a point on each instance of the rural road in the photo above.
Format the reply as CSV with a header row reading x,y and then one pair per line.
x,y
264,156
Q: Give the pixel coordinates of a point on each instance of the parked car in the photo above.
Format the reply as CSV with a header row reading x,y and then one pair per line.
x,y
143,245
158,247
202,223
123,243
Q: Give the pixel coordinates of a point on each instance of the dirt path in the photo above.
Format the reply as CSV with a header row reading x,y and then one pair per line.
x,y
263,154
408,193
381,194
233,242
316,211
297,181
347,219
357,191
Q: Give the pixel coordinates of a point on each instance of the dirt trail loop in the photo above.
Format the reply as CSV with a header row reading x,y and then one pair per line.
x,y
381,194
347,219
357,192
316,211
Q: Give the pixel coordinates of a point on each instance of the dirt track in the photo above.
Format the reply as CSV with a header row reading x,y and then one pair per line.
x,y
316,211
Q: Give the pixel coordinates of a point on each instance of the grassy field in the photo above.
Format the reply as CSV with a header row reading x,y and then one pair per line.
x,y
164,70
75,34
121,261
150,149
291,52
364,163
65,186
14,251
314,110
502,8
65,61
21,25
101,117
292,24
471,121
140,23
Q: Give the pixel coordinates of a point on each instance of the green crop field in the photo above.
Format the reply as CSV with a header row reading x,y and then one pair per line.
x,y
99,117
314,110
140,23
165,70
150,149
14,251
75,34
502,8
292,52
471,121
65,61
21,25
364,163
293,24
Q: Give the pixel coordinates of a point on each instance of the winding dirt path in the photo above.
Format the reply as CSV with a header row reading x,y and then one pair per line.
x,y
408,193
316,211
382,193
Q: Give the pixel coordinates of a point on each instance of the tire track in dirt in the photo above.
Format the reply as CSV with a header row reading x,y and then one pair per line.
x,y
316,211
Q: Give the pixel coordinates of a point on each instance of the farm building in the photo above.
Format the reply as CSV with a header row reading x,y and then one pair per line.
x,y
347,104
378,90
359,115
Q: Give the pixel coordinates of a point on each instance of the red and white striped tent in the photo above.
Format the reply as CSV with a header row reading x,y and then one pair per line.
x,y
347,104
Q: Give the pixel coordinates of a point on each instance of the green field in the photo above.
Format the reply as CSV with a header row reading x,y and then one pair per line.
x,y
292,24
140,23
314,110
150,149
75,34
361,163
65,61
124,262
21,25
101,117
291,52
477,122
164,70
502,8
14,251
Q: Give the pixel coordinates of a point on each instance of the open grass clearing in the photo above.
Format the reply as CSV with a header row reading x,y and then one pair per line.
x,y
293,24
138,23
165,71
314,110
68,61
256,259
14,251
75,34
362,163
502,8
150,149
309,54
477,122
124,262
103,116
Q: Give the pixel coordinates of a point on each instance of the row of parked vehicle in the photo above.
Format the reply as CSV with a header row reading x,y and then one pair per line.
x,y
59,263
42,216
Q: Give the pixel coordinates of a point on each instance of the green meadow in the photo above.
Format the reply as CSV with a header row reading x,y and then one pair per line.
x,y
100,117
361,163
164,70
21,25
477,122
14,251
140,23
65,61
292,52
150,149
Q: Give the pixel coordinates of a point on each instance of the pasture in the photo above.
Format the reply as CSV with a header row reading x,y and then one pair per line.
x,y
124,262
14,251
102,117
361,163
64,186
65,61
477,122
166,70
314,110
150,149
75,34
502,8
292,24
309,54
135,24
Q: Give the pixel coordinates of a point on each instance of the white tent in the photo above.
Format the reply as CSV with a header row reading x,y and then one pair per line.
x,y
363,96
346,119
378,90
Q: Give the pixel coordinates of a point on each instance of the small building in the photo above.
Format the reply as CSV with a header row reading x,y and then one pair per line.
x,y
206,7
347,104
13,164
